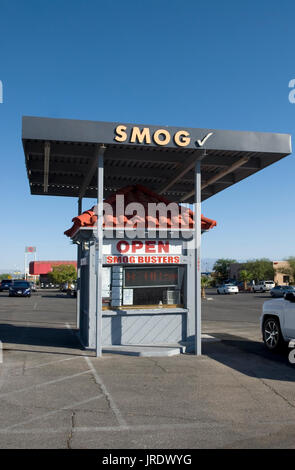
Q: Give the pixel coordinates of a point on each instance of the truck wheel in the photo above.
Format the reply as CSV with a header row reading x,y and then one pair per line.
x,y
272,335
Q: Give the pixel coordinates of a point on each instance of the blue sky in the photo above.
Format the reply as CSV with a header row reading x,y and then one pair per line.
x,y
223,65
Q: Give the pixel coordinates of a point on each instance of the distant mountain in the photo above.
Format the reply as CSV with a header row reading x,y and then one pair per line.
x,y
207,264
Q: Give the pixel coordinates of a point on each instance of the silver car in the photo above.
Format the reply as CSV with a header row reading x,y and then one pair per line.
x,y
280,291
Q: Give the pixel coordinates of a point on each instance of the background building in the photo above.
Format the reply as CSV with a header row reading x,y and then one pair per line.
x,y
280,277
43,268
234,270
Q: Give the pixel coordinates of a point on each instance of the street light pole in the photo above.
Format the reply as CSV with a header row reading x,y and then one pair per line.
x,y
25,266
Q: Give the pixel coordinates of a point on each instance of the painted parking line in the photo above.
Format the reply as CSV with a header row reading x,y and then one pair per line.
x,y
51,363
51,413
121,421
50,382
132,427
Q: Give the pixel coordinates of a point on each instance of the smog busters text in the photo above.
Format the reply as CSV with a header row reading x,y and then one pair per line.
x,y
143,252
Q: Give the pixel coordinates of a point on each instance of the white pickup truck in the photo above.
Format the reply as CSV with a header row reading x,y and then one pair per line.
x,y
263,286
278,321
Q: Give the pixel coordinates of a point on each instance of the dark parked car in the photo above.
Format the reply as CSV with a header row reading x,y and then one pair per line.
x,y
20,289
280,291
241,287
5,284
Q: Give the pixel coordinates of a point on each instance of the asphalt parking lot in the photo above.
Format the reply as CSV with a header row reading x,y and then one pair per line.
x,y
233,314
56,395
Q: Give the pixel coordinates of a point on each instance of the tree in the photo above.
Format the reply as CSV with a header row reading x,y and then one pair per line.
x,y
5,276
205,282
260,269
63,273
221,268
245,276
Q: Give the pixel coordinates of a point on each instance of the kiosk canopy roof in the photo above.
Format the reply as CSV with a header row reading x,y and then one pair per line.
x,y
61,157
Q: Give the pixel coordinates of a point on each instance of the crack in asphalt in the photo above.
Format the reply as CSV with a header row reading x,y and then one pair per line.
x,y
70,437
155,362
272,389
110,401
276,392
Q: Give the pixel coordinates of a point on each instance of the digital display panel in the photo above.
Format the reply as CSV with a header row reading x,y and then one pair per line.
x,y
151,277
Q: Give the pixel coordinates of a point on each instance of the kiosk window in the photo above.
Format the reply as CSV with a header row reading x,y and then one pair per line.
x,y
153,285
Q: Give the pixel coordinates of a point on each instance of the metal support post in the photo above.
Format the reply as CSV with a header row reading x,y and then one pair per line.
x,y
35,259
78,300
198,324
79,206
99,248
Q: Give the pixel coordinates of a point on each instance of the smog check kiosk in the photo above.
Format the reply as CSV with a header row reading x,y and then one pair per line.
x,y
145,282
146,290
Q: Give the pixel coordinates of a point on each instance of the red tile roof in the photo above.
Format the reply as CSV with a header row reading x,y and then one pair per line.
x,y
143,195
